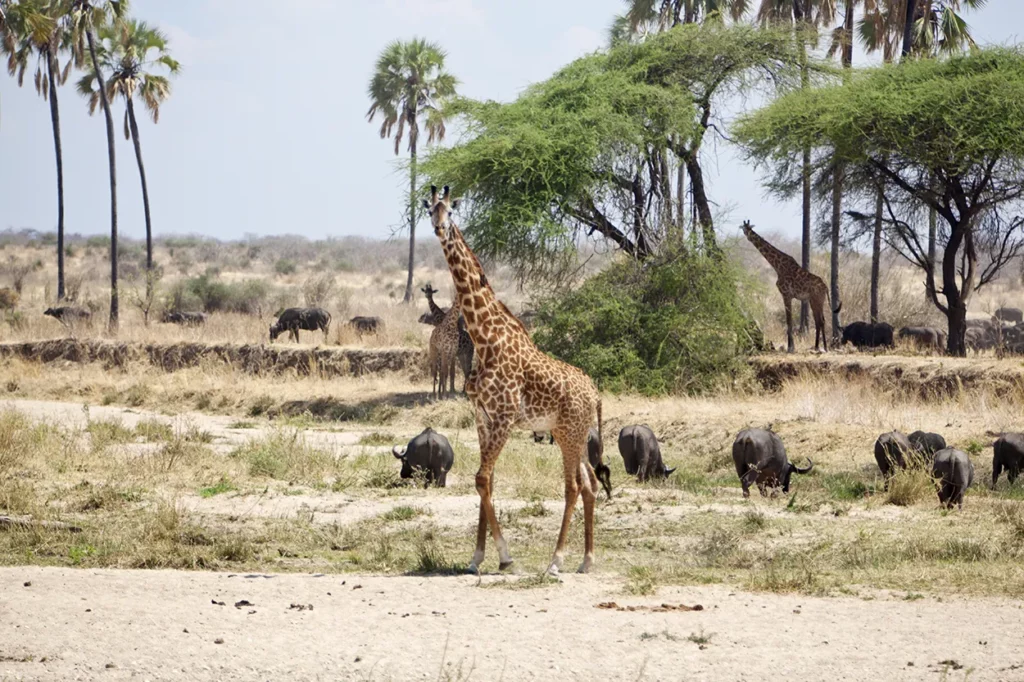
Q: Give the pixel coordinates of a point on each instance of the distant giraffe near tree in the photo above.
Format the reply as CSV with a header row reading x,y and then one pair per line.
x,y
515,385
795,282
464,353
444,347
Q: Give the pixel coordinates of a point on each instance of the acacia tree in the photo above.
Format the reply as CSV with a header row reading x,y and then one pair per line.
x,y
33,31
580,153
965,157
409,83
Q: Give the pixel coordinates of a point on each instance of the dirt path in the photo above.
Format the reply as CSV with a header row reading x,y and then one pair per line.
x,y
161,625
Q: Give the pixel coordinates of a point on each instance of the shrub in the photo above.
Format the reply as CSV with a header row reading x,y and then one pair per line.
x,y
672,324
317,289
8,298
285,266
210,294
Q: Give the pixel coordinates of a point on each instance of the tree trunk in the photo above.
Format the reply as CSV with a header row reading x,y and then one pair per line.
x,y
805,238
113,180
412,218
956,295
55,120
837,221
956,343
681,198
134,129
876,254
908,28
700,202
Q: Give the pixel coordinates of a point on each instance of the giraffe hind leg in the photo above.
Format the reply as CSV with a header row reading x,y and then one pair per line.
x,y
573,445
788,304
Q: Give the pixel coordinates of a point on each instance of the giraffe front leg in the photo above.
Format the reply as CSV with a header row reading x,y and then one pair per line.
x,y
492,441
589,492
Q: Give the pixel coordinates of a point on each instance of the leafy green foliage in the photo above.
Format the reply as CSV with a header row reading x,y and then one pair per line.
x,y
210,294
671,325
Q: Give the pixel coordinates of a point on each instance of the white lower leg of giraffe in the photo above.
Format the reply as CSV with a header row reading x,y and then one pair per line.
x,y
478,559
504,557
556,565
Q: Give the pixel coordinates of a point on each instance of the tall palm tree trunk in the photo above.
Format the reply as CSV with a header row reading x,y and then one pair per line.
x,y
55,120
800,11
134,129
876,253
908,28
105,103
412,217
837,219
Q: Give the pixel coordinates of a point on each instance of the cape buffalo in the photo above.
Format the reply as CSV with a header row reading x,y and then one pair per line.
x,y
867,334
186,319
366,325
892,451
429,452
1010,314
595,455
69,314
641,453
924,337
955,471
760,457
1008,453
926,443
294,319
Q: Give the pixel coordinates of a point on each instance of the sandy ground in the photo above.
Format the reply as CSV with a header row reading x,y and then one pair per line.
x,y
160,625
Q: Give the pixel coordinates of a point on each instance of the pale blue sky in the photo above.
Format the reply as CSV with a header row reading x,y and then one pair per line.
x,y
266,130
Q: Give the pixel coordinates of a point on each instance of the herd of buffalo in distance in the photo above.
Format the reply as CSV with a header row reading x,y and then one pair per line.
x,y
759,457
1003,330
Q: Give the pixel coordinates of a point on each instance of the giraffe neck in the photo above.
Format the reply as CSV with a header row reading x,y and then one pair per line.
x,y
771,254
435,310
475,298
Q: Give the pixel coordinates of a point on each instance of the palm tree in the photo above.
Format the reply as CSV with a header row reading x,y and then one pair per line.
x,y
45,38
84,18
409,82
129,51
805,16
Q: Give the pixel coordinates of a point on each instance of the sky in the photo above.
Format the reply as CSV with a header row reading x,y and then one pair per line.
x,y
266,132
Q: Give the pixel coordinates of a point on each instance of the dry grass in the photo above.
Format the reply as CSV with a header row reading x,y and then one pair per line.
x,y
282,499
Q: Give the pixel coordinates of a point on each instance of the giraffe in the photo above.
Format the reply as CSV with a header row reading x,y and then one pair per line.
x,y
444,345
515,385
464,352
795,282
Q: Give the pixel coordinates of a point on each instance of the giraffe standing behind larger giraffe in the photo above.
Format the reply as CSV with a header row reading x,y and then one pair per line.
x,y
514,384
795,282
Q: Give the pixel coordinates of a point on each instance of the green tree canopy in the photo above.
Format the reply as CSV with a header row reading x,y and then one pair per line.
x,y
949,134
585,151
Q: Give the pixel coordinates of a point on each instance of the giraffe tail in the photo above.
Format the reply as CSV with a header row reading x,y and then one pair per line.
x,y
603,472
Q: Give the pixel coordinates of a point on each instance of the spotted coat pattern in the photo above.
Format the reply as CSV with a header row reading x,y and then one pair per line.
x,y
794,282
515,385
464,352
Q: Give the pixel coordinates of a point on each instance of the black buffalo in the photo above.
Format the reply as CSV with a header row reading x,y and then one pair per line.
x,y
294,319
366,325
1008,453
641,454
1010,315
926,443
595,455
186,319
69,314
893,451
760,457
924,337
429,453
955,473
868,335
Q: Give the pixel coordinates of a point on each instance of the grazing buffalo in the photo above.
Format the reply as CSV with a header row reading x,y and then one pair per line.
x,y
1008,453
760,457
186,319
924,337
868,335
429,453
926,443
1010,315
955,473
366,325
641,453
892,451
69,314
595,455
294,319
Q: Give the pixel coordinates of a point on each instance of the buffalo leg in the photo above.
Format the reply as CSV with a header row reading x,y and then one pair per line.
x,y
997,468
747,479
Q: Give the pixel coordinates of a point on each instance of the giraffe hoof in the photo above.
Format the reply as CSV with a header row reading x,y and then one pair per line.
x,y
505,564
473,569
585,566
552,571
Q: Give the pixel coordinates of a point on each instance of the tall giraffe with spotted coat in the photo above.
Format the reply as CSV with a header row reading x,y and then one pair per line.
x,y
515,385
795,282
